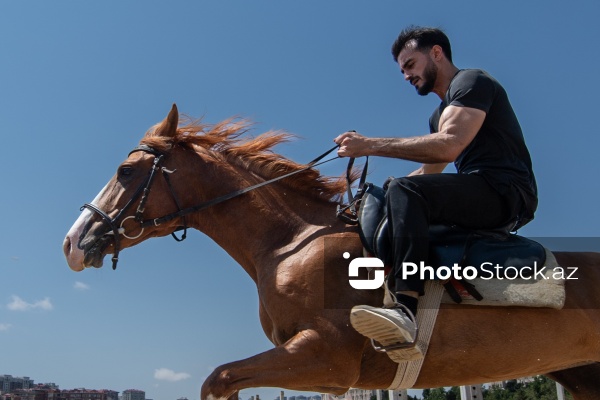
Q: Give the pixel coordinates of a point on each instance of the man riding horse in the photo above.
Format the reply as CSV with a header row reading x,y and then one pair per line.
x,y
476,128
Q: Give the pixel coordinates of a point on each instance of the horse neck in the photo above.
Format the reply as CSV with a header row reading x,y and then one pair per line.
x,y
257,226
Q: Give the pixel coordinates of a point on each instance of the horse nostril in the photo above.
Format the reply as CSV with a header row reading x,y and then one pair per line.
x,y
67,246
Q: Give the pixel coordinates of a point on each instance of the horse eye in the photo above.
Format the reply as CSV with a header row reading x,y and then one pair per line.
x,y
125,171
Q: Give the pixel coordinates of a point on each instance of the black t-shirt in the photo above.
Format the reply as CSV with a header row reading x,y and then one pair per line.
x,y
498,151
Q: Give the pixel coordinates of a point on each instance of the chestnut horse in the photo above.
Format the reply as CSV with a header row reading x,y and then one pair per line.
x,y
286,237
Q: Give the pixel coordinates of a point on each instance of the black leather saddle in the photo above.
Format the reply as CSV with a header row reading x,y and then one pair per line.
x,y
449,245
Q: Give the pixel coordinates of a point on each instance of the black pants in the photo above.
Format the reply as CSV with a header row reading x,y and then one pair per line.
x,y
415,202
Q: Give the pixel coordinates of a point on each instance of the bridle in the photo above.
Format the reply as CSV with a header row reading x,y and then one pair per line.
x,y
143,191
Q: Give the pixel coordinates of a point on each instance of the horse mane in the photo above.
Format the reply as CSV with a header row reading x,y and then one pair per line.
x,y
255,154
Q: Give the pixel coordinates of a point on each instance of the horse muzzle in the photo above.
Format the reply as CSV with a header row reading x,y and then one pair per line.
x,y
87,255
84,247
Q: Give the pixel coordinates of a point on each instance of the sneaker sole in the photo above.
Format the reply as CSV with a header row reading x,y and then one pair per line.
x,y
378,327
385,332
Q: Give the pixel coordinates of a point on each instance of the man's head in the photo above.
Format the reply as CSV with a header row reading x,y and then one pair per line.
x,y
423,39
419,51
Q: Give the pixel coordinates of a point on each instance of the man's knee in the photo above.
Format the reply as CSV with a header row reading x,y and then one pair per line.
x,y
403,188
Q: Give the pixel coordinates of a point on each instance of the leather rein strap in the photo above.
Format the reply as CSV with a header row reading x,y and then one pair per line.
x,y
229,196
349,213
143,191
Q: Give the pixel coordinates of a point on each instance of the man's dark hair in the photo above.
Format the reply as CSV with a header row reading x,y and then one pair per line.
x,y
425,38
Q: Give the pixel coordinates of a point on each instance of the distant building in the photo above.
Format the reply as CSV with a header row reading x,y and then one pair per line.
x,y
354,394
46,392
505,384
133,394
27,394
88,394
49,385
8,383
53,393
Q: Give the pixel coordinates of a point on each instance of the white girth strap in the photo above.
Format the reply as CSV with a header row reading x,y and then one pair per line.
x,y
427,311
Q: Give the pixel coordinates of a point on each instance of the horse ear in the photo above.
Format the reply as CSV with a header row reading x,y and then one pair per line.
x,y
168,127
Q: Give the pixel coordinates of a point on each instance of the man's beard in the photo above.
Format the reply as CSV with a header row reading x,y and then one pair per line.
x,y
429,78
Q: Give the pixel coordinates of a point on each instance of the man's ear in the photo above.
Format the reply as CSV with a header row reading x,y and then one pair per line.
x,y
436,52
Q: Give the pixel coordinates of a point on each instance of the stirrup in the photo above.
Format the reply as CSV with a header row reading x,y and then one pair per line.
x,y
398,346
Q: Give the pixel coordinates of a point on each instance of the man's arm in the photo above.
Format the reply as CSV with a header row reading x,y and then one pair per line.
x,y
457,128
437,168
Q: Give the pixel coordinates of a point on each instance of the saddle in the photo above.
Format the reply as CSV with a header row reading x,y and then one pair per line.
x,y
495,249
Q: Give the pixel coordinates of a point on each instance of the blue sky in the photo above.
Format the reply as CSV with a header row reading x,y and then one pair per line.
x,y
80,82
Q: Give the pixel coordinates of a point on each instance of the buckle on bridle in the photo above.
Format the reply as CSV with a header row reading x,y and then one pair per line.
x,y
347,214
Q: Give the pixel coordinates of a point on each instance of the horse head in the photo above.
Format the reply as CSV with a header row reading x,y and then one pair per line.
x,y
209,165
120,216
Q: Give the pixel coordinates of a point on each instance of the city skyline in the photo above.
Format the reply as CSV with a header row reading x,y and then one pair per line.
x,y
10,384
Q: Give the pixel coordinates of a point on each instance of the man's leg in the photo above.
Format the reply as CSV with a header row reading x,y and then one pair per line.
x,y
413,204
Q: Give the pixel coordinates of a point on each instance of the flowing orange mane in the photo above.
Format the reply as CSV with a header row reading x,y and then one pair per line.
x,y
254,154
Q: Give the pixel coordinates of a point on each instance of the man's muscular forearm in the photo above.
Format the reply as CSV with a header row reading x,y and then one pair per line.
x,y
458,127
428,149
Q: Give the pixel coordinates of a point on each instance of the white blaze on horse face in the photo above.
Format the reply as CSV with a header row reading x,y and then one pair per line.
x,y
73,253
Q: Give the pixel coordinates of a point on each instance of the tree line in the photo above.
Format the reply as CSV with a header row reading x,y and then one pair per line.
x,y
540,388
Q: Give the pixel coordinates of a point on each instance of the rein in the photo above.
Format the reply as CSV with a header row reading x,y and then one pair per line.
x,y
144,191
348,213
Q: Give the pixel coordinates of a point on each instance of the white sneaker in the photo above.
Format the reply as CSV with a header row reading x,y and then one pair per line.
x,y
388,326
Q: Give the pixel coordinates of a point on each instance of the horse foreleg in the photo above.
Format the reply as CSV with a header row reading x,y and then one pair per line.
x,y
305,362
582,382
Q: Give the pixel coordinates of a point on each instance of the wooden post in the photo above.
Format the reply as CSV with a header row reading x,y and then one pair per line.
x,y
560,391
472,392
398,394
